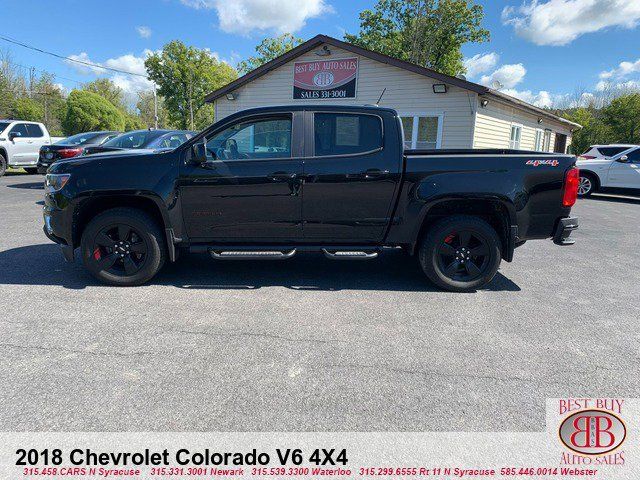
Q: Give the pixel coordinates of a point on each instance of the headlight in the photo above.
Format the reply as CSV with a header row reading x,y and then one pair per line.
x,y
55,182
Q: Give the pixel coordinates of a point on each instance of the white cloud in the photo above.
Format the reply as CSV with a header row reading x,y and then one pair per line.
x,y
81,67
624,70
559,22
480,63
129,63
542,99
244,16
507,76
629,85
144,32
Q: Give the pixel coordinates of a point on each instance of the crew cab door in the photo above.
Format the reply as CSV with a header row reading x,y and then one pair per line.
x,y
625,174
351,170
249,190
20,148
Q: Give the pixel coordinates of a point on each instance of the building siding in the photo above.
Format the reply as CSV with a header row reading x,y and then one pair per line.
x,y
407,92
493,127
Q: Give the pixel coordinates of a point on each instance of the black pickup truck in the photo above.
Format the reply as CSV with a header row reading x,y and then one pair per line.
x,y
271,182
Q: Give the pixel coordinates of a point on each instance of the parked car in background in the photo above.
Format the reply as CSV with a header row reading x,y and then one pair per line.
x,y
71,147
20,144
595,152
143,139
621,170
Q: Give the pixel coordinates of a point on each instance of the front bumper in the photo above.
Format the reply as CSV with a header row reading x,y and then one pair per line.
x,y
563,231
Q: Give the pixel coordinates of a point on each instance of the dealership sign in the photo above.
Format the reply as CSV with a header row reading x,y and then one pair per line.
x,y
325,79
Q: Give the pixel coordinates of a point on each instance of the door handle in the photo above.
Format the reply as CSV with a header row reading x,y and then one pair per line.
x,y
375,173
283,176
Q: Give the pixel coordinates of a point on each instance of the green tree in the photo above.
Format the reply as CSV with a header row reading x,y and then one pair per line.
x,y
622,116
51,100
25,108
429,33
146,107
107,90
88,111
185,75
269,49
593,131
134,122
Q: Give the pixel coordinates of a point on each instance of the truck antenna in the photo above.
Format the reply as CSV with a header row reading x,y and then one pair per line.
x,y
381,95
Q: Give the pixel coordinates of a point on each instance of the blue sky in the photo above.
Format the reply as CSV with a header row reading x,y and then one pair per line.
x,y
539,50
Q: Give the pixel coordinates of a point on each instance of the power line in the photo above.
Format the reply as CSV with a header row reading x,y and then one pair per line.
x,y
75,60
27,67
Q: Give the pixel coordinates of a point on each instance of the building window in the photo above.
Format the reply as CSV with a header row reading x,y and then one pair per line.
x,y
546,146
422,131
539,140
516,136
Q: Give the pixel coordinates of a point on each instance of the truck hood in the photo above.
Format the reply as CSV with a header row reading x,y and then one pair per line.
x,y
62,166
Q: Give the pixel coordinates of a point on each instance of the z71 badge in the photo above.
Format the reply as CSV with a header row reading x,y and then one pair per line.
x,y
537,163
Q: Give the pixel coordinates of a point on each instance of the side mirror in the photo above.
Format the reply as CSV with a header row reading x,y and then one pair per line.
x,y
623,159
199,152
13,135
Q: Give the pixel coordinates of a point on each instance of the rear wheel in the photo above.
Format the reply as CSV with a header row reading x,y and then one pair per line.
x,y
587,184
123,247
3,165
461,253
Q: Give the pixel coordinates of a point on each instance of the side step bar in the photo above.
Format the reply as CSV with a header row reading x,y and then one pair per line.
x,y
251,255
350,254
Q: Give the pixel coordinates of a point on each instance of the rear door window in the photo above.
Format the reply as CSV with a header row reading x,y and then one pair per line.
x,y
34,130
346,134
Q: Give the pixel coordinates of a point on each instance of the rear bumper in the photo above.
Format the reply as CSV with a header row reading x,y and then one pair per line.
x,y
563,231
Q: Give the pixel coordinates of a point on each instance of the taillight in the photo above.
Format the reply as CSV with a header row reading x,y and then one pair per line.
x,y
571,181
69,152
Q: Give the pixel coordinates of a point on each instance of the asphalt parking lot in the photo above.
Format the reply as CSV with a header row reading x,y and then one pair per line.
x,y
310,344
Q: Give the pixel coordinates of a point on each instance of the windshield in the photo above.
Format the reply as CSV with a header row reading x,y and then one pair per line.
x,y
3,126
139,139
170,140
79,139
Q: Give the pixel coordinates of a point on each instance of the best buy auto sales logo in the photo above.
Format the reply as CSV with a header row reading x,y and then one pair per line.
x,y
593,429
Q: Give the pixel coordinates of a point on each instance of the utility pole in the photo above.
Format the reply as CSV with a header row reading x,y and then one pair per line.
x,y
155,107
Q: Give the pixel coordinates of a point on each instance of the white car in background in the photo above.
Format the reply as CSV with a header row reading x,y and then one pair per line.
x,y
609,167
20,144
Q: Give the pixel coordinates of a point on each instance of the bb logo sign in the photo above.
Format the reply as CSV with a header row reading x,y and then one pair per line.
x,y
592,432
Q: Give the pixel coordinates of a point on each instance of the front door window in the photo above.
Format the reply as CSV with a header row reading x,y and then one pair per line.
x,y
253,139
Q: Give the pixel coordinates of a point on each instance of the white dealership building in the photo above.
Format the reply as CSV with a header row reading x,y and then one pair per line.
x,y
437,111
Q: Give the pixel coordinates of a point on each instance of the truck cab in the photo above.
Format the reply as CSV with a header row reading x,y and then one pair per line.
x,y
20,143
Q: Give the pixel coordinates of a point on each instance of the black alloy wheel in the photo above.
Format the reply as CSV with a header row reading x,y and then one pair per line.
x,y
460,253
463,256
123,246
120,250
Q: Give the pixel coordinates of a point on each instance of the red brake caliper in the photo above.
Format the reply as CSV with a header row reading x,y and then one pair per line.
x,y
96,253
449,238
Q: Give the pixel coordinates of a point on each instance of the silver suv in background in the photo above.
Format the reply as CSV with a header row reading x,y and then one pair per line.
x,y
609,167
20,143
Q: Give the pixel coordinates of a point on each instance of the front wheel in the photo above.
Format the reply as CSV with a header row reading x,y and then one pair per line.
x,y
460,253
3,165
123,247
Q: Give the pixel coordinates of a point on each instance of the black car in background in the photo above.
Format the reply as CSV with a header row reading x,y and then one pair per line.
x,y
70,147
143,139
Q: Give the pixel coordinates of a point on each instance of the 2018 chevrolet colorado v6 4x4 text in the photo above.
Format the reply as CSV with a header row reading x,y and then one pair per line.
x,y
270,182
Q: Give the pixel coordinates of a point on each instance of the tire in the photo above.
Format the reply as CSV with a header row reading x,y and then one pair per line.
x,y
31,171
460,253
587,185
123,247
3,165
